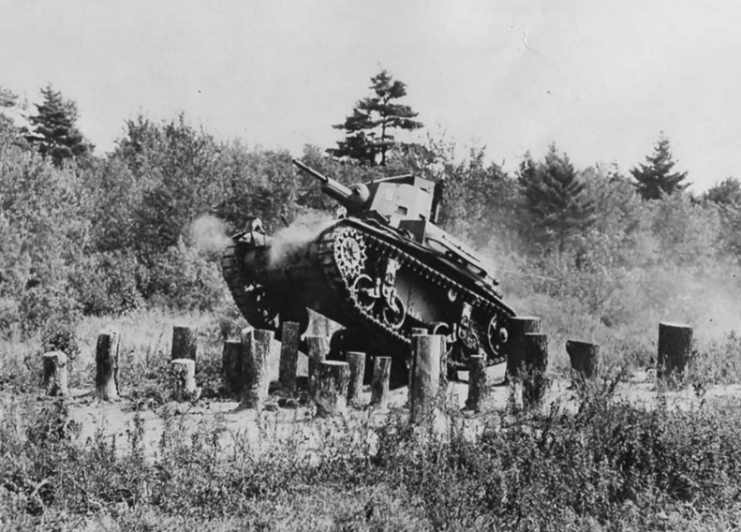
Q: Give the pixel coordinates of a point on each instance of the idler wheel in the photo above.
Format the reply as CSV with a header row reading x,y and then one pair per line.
x,y
261,313
496,335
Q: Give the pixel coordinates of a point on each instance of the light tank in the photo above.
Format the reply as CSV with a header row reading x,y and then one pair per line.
x,y
381,270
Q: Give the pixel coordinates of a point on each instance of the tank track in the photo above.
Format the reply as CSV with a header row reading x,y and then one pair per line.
x,y
256,313
380,247
259,312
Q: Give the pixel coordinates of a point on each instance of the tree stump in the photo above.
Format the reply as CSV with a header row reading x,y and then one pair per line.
x,y
55,373
428,352
675,348
106,362
184,343
256,348
411,361
289,356
584,358
317,347
515,346
330,394
534,381
356,361
477,389
232,368
184,379
380,382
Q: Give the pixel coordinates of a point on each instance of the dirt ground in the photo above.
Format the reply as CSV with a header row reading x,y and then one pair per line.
x,y
296,426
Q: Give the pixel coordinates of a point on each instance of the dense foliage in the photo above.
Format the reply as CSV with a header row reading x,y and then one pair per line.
x,y
91,234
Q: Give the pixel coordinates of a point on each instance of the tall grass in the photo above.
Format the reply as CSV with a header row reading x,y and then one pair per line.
x,y
606,465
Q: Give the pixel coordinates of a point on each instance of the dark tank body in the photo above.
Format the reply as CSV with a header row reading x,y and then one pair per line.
x,y
380,271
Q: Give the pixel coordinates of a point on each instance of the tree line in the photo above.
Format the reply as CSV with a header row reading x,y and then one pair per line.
x,y
82,233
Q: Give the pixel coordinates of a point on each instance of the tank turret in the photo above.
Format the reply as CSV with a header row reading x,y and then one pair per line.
x,y
381,271
403,197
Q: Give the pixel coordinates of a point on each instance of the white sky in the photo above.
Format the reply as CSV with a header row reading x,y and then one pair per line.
x,y
599,78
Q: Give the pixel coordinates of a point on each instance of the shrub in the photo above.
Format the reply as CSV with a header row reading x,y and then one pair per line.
x,y
107,283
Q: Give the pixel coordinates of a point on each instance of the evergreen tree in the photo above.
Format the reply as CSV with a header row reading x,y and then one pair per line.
x,y
369,128
656,177
555,199
55,134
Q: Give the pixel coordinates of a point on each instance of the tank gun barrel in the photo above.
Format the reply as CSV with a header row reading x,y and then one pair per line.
x,y
353,199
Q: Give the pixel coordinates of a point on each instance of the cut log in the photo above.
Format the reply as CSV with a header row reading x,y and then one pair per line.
x,y
515,346
289,356
184,379
675,349
332,381
232,368
380,382
184,343
317,347
477,388
256,349
356,361
428,352
584,357
106,363
411,362
56,374
534,380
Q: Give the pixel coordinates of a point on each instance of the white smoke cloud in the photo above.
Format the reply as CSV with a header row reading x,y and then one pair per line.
x,y
303,230
208,234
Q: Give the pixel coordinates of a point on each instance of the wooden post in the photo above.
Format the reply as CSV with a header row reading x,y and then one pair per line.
x,y
412,361
515,346
256,348
232,368
184,379
317,347
184,343
477,389
330,394
356,361
428,351
380,382
535,383
289,356
106,362
584,358
675,348
55,373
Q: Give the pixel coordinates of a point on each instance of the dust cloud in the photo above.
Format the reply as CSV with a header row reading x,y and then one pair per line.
x,y
303,230
208,234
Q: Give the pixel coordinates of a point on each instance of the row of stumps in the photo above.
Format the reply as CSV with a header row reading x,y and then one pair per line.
x,y
333,385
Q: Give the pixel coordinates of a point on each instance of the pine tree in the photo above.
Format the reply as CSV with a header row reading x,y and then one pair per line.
x,y
656,177
369,128
555,199
55,134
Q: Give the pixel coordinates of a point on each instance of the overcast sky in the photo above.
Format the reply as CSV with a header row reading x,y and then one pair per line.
x,y
601,79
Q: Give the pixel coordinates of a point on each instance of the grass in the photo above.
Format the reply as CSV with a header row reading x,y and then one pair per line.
x,y
604,464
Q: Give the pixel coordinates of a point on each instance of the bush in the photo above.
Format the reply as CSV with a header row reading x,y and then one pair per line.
x,y
107,283
183,278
